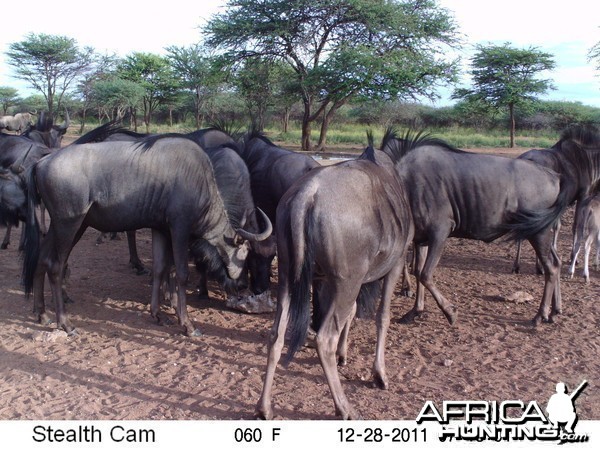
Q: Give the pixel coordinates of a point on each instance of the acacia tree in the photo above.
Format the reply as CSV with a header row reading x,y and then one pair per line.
x,y
154,74
8,97
198,73
49,64
340,49
507,77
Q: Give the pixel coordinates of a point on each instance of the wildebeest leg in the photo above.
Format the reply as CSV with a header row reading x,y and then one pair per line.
x,y
264,408
134,259
161,264
180,242
574,252
542,243
39,305
517,263
6,240
64,241
342,349
586,258
434,253
419,306
383,323
339,300
202,283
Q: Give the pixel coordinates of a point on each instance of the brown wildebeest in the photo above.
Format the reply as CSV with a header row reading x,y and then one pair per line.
x,y
587,223
340,229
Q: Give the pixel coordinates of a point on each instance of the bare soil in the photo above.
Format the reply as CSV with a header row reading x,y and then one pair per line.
x,y
123,365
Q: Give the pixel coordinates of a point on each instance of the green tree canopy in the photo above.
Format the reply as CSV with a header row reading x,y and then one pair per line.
x,y
49,64
154,74
8,97
507,77
198,73
339,49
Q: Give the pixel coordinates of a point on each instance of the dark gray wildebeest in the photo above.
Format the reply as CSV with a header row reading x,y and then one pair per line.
x,y
233,181
44,132
454,193
165,183
572,157
273,170
587,231
17,123
340,229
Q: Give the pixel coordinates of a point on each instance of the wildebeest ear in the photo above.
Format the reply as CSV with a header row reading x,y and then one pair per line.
x,y
238,240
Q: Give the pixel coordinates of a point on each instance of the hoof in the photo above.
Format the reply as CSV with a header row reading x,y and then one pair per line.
x,y
195,333
410,316
139,269
45,320
4,246
451,315
73,332
263,414
342,361
380,382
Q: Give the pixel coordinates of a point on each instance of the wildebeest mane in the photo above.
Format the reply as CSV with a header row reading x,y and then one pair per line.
x,y
254,133
148,141
225,126
100,133
397,147
235,204
585,136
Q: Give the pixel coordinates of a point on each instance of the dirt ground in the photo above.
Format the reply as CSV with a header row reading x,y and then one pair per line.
x,y
122,365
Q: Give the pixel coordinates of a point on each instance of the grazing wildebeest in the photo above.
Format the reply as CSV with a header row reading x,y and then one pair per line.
x,y
587,223
340,229
233,181
18,123
165,183
273,170
454,193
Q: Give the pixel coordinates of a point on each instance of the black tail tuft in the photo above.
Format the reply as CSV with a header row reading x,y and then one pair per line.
x,y
524,224
31,244
300,293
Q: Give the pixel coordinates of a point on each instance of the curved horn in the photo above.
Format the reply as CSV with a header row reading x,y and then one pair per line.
x,y
65,125
257,237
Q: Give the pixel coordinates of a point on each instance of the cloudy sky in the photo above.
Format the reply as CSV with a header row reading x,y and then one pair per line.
x,y
121,27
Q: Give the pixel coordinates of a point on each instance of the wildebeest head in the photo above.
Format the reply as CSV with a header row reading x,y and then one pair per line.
x,y
228,267
45,132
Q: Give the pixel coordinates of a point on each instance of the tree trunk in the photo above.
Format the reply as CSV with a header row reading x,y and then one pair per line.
x,y
327,117
511,112
306,145
285,119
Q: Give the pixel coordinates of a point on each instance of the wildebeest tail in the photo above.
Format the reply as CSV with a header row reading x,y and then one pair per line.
x,y
301,277
526,223
31,244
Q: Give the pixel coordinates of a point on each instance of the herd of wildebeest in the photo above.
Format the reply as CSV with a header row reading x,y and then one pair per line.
x,y
341,232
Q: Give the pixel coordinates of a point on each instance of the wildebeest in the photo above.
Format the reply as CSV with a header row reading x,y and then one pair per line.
x,y
587,223
568,160
273,170
44,132
233,181
339,228
164,183
22,152
17,123
454,193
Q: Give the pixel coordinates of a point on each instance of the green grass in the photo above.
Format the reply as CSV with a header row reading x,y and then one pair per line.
x,y
353,135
